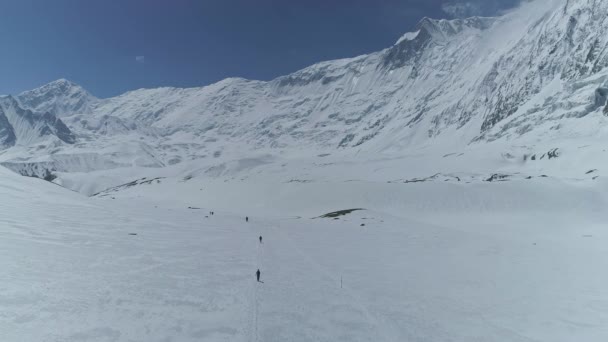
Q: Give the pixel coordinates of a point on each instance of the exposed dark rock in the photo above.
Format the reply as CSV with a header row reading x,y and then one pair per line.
x,y
553,153
497,177
335,214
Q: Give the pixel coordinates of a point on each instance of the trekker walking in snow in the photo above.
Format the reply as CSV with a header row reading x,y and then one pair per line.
x,y
260,238
246,218
258,274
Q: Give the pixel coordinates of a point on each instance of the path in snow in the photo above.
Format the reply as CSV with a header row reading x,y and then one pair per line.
x,y
301,301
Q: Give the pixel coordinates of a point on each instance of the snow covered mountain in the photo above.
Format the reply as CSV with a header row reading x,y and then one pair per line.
x,y
451,187
538,73
61,98
506,261
24,127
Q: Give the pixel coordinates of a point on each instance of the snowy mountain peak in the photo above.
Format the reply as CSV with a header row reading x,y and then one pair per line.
x,y
441,29
61,83
60,98
57,87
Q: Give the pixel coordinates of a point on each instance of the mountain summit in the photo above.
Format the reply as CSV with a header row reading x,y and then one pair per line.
x,y
60,98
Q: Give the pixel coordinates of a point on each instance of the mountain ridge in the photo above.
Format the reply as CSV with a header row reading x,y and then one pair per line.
x,y
25,127
525,77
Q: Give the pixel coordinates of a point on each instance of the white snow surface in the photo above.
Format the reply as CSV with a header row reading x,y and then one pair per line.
x,y
475,147
519,260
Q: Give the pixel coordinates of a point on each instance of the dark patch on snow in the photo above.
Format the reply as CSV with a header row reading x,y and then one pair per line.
x,y
346,140
142,181
436,177
47,176
420,180
299,181
553,153
335,214
498,177
601,98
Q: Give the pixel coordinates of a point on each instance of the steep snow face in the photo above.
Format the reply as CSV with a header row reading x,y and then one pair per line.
x,y
24,127
165,111
526,76
565,53
7,133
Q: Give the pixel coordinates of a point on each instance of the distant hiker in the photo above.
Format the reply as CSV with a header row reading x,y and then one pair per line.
x,y
246,218
258,274
260,238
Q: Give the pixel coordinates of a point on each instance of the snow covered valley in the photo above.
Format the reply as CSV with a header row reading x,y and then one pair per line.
x,y
474,148
445,259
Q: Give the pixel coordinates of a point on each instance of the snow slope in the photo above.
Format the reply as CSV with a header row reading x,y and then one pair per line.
x,y
72,272
523,266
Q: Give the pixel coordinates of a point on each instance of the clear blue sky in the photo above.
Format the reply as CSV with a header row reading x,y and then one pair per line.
x,y
96,43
